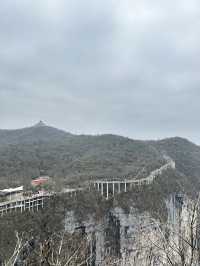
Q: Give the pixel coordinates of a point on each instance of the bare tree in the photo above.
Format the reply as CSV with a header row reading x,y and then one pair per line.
x,y
20,244
174,244
58,250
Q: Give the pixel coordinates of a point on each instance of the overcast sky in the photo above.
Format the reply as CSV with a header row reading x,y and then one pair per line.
x,y
128,67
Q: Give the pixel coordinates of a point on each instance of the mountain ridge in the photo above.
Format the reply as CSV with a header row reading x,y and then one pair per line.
x,y
43,124
76,158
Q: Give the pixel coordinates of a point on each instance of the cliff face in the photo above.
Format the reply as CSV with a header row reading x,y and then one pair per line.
x,y
138,239
130,237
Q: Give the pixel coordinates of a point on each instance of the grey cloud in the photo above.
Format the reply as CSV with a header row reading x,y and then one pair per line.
x,y
128,67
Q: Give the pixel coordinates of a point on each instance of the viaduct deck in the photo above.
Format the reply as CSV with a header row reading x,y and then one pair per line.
x,y
109,186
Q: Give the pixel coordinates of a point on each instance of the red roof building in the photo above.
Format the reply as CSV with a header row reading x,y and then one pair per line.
x,y
40,181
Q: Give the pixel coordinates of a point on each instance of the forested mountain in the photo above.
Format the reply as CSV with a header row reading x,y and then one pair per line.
x,y
185,153
24,153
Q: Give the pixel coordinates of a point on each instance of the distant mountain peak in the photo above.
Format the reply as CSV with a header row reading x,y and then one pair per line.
x,y
40,124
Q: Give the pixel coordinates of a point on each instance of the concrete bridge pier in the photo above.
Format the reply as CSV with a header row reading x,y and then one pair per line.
x,y
102,189
125,187
107,191
113,188
119,187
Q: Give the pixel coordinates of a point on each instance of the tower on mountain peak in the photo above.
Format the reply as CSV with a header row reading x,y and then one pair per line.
x,y
40,124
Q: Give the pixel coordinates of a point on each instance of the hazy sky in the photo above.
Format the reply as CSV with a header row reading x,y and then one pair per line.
x,y
130,67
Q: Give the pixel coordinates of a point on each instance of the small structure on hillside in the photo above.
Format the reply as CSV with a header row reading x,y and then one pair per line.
x,y
40,124
11,193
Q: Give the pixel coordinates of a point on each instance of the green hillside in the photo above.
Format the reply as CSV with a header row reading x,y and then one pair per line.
x,y
24,153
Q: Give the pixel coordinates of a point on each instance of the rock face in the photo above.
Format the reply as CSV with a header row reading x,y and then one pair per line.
x,y
118,235
136,238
